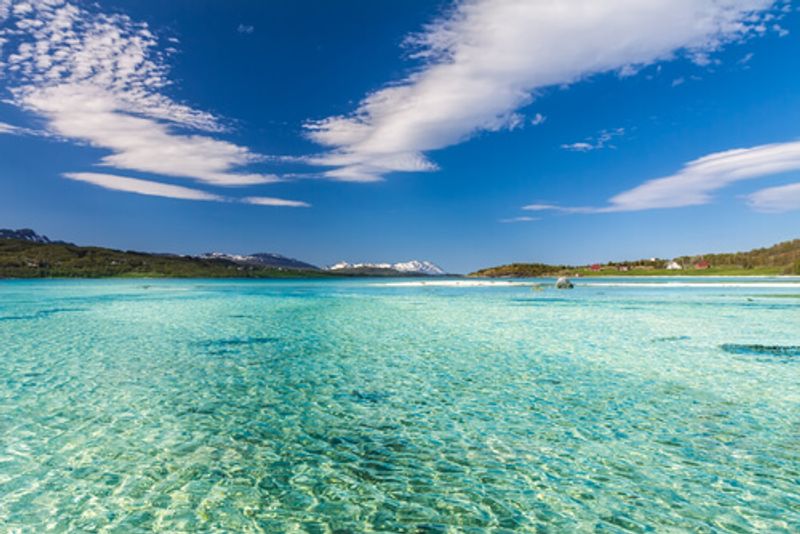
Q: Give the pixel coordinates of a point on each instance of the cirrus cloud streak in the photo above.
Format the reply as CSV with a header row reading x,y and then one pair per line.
x,y
272,201
776,199
157,189
698,180
141,187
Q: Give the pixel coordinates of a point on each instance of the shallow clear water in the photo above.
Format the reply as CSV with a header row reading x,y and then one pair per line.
x,y
360,406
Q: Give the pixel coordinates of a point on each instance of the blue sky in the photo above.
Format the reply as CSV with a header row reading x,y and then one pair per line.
x,y
467,133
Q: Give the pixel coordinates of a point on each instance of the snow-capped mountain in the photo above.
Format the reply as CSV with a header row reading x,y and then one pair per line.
x,y
262,259
239,258
416,266
25,234
413,266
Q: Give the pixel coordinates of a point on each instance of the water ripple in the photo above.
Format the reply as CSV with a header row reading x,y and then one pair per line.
x,y
355,407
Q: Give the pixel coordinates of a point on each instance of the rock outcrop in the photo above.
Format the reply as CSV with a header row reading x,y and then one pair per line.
x,y
564,283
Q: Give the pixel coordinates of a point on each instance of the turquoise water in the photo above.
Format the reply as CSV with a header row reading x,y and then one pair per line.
x,y
371,405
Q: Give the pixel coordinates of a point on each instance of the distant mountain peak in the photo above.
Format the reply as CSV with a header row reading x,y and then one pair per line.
x,y
262,259
411,266
417,266
24,234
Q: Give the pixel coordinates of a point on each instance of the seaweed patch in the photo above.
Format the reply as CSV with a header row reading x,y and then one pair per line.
x,y
41,314
671,338
368,397
223,346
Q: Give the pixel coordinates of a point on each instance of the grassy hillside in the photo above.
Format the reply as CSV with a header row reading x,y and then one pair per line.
x,y
24,259
783,258
523,270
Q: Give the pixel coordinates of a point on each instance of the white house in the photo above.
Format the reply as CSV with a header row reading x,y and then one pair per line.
x,y
674,266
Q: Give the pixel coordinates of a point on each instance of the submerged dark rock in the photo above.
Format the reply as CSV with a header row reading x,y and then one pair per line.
x,y
782,351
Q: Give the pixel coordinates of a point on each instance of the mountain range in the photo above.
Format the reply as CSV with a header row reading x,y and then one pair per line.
x,y
277,261
26,254
408,267
263,259
23,234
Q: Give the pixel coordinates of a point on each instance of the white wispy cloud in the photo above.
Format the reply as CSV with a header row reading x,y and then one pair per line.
x,y
746,58
780,30
279,202
554,207
695,183
245,28
99,79
602,140
6,128
699,179
141,187
487,58
519,219
157,189
10,129
776,199
538,119
540,207
139,143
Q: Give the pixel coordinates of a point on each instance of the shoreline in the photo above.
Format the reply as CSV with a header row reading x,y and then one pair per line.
x,y
724,282
636,276
430,280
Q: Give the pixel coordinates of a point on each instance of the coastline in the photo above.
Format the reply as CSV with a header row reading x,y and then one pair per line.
x,y
417,280
782,282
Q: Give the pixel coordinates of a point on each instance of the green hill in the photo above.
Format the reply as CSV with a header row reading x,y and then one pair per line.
x,y
22,258
780,259
522,270
783,256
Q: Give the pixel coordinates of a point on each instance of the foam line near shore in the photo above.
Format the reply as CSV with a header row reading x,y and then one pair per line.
x,y
455,283
586,283
773,285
